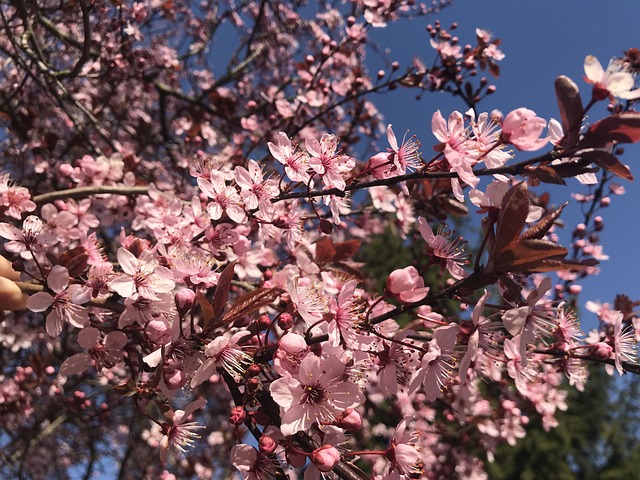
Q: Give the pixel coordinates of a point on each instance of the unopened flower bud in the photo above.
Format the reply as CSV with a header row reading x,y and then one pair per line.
x,y
292,343
184,298
605,201
252,385
263,322
350,420
238,415
254,370
381,74
598,223
395,66
285,321
575,289
325,458
601,351
267,444
491,89
158,330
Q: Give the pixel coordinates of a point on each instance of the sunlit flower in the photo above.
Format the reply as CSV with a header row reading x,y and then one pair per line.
x,y
318,393
180,433
64,304
612,82
445,248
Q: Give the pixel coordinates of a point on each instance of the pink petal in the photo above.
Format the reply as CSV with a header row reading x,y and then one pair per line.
x,y
39,302
88,337
58,278
593,69
128,261
75,364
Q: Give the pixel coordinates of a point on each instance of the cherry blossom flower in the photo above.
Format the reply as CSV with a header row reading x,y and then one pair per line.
x,y
32,237
141,276
625,347
65,302
324,160
436,365
491,199
345,318
398,159
396,362
456,148
295,163
252,464
307,300
615,81
224,198
180,433
481,336
14,200
522,129
225,353
517,366
402,453
255,191
486,137
532,320
449,252
104,352
317,393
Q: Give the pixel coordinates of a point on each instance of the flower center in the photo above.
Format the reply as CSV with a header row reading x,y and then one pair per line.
x,y
313,394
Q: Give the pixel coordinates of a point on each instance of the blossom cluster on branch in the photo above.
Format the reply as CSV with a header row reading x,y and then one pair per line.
x,y
182,262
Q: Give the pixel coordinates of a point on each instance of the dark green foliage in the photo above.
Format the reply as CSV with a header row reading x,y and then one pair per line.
x,y
597,438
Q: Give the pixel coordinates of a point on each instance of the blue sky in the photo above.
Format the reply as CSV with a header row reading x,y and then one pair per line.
x,y
541,39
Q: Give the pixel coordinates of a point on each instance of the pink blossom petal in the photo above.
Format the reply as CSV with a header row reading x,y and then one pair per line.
x,y
128,261
58,278
39,302
88,337
75,364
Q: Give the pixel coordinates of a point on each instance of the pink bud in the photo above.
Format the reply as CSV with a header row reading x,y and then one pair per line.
x,y
158,330
292,343
238,415
350,420
575,289
605,201
254,370
285,321
522,128
406,285
267,444
325,458
601,351
263,322
185,298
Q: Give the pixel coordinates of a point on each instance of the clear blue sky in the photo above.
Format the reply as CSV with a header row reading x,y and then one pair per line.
x,y
541,39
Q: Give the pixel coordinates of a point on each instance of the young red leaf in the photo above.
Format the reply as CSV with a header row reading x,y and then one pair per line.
x,y
207,309
541,228
621,128
522,255
250,302
608,161
222,292
512,217
571,110
325,251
